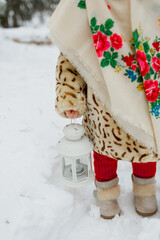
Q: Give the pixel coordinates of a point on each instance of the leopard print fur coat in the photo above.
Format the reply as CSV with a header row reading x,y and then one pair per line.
x,y
108,138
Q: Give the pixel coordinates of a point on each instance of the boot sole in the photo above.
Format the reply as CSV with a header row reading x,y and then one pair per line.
x,y
146,214
110,217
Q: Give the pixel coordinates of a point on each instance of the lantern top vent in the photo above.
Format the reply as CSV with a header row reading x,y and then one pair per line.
x,y
73,131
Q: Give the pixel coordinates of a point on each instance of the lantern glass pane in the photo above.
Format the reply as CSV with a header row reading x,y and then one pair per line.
x,y
82,167
67,168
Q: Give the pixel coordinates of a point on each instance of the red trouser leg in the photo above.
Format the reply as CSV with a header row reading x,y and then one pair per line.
x,y
144,170
105,167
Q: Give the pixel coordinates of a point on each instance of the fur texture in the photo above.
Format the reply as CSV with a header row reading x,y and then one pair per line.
x,y
108,138
70,88
108,193
106,196
144,190
144,195
108,184
143,187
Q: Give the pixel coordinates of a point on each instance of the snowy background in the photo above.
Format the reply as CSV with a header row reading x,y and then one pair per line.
x,y
33,203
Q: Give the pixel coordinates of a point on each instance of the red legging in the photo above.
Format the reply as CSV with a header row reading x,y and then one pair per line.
x,y
106,168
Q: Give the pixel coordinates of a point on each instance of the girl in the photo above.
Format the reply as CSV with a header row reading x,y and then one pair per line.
x,y
109,73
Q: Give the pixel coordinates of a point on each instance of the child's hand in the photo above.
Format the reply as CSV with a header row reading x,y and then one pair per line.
x,y
71,114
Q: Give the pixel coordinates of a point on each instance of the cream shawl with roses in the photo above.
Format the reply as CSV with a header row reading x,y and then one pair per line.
x,y
115,46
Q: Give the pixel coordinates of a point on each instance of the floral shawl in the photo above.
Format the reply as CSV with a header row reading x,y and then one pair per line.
x,y
115,46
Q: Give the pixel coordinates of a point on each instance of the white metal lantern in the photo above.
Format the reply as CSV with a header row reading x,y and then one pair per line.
x,y
75,151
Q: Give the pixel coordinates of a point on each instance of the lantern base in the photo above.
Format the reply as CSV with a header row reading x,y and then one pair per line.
x,y
78,184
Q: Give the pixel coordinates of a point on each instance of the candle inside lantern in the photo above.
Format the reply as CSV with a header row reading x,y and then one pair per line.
x,y
79,168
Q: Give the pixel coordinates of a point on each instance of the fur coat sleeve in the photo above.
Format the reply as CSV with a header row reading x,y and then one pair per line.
x,y
70,88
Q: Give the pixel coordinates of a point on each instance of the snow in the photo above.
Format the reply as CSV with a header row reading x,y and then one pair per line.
x,y
26,34
34,205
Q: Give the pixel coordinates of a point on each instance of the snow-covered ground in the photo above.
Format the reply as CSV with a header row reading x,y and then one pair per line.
x,y
33,203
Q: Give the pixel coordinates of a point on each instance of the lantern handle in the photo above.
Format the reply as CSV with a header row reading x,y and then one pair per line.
x,y
74,121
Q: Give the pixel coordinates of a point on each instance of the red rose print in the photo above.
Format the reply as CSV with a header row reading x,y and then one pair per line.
x,y
109,7
116,41
100,42
151,90
156,64
144,67
134,67
128,60
156,46
131,57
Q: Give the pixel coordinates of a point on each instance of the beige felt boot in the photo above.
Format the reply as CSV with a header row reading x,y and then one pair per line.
x,y
144,190
106,198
